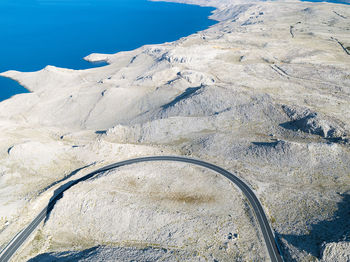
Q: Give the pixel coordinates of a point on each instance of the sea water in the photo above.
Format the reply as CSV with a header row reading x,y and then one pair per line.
x,y
345,2
37,33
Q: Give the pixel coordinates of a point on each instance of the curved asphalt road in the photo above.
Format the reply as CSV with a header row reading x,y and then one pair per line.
x,y
266,230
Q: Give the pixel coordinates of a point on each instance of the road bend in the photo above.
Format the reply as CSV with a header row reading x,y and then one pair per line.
x,y
255,204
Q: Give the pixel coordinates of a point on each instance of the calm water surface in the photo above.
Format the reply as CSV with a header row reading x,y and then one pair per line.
x,y
345,2
36,33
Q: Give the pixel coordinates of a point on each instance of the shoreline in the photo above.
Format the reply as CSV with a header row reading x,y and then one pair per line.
x,y
90,64
214,5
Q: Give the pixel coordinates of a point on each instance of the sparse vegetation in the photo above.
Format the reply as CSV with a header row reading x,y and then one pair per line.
x,y
272,109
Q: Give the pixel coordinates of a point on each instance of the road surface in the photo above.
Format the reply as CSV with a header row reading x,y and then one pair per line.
x,y
260,215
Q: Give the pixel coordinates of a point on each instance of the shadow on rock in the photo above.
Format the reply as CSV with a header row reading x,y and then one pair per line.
x,y
267,144
65,256
334,230
105,253
313,123
188,92
58,194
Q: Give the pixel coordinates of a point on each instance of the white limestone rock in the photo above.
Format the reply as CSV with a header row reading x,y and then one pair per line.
x,y
264,93
336,252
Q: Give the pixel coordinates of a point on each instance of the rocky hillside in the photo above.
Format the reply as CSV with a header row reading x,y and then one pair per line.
x,y
264,93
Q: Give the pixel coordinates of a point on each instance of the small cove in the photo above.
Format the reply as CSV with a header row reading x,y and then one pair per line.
x,y
37,33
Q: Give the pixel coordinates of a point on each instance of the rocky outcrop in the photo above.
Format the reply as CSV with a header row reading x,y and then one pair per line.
x,y
313,123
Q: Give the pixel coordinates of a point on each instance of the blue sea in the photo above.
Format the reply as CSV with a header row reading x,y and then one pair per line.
x,y
36,33
344,2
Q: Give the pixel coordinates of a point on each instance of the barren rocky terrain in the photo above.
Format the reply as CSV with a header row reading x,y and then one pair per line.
x,y
264,93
